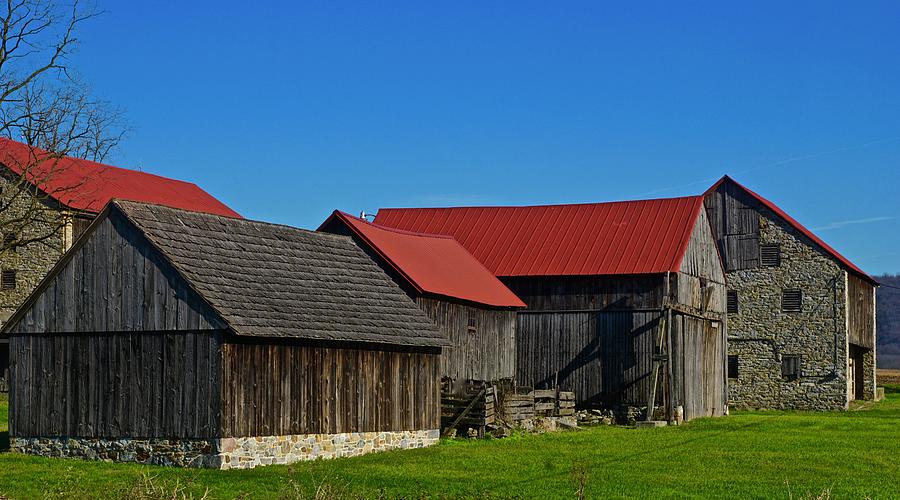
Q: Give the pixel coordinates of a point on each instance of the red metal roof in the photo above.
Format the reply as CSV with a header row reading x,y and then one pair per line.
x,y
432,264
89,186
799,227
629,237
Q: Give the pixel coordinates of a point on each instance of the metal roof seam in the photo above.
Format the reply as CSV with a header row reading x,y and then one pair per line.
x,y
638,237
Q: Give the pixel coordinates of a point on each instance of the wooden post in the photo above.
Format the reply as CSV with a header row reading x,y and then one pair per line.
x,y
651,401
665,314
670,370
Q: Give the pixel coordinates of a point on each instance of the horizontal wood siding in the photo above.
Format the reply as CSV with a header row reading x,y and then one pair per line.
x,y
278,389
115,281
115,385
483,341
555,293
861,311
604,357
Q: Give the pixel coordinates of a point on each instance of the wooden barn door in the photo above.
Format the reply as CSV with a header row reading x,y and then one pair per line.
x,y
851,380
700,370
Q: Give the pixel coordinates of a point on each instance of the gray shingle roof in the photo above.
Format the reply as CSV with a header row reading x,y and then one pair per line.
x,y
278,281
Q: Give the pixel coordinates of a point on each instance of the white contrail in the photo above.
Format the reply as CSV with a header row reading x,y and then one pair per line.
x,y
843,223
777,163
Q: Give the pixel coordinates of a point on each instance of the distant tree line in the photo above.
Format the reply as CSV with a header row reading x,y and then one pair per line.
x,y
888,321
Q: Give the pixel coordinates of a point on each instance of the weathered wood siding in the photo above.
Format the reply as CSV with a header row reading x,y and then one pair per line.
x,y
115,385
115,281
699,381
734,217
613,293
279,388
604,357
591,335
861,311
483,340
701,257
700,283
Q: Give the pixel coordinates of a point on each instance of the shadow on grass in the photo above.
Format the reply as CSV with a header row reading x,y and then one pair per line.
x,y
4,441
655,451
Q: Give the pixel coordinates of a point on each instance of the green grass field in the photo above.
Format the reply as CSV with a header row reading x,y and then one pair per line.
x,y
850,454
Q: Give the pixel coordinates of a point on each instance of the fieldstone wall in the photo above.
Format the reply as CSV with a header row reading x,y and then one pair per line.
x,y
31,262
869,381
760,334
227,453
244,453
177,452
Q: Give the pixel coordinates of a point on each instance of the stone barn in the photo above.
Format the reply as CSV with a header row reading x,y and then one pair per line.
x,y
801,316
625,301
469,305
166,336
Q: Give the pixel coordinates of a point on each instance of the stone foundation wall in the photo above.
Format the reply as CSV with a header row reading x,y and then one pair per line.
x,y
177,452
244,453
761,334
226,453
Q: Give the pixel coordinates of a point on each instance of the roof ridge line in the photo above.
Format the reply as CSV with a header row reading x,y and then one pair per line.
x,y
588,203
396,230
231,217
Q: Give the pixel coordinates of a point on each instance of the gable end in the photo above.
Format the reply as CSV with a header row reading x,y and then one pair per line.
x,y
113,280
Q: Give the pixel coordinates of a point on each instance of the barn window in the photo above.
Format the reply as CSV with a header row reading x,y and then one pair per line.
x,y
790,367
8,279
732,306
732,366
770,255
791,300
79,226
9,240
473,323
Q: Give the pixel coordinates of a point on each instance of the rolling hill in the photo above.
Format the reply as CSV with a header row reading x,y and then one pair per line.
x,y
888,321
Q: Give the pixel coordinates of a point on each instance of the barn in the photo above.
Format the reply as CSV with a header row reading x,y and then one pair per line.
x,y
625,300
166,336
801,315
469,305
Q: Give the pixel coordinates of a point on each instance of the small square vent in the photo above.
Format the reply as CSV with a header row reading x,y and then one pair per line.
x,y
770,255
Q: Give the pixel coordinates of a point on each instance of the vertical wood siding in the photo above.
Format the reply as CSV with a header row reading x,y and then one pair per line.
x,y
278,389
115,385
485,352
115,281
591,335
699,369
604,357
735,220
701,258
861,311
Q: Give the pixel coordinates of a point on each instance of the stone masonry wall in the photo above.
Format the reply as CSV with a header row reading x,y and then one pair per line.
x,y
869,382
760,334
244,453
227,453
33,261
177,452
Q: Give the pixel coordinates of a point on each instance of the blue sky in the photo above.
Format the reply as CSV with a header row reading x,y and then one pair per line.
x,y
286,112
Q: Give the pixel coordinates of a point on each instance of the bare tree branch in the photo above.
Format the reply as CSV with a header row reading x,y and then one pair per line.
x,y
43,105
